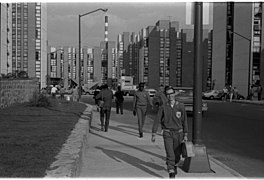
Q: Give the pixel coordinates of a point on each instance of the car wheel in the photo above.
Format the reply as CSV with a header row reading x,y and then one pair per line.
x,y
127,94
211,97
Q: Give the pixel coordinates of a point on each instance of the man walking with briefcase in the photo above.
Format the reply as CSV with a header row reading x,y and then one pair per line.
x,y
173,119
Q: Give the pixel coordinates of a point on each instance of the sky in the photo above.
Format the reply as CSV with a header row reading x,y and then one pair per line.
x,y
122,17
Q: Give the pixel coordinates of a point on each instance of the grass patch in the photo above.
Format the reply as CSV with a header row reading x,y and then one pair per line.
x,y
30,137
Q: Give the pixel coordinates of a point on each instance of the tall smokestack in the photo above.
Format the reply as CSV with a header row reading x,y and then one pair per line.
x,y
106,28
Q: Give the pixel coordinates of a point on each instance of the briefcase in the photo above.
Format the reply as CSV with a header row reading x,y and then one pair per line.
x,y
187,149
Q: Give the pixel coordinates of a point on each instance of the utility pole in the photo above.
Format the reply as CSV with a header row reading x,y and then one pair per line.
x,y
197,76
79,42
200,162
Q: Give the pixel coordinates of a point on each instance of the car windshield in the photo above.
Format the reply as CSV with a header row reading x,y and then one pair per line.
x,y
209,91
185,92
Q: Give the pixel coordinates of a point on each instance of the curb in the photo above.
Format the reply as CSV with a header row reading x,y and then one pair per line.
x,y
233,172
70,159
249,102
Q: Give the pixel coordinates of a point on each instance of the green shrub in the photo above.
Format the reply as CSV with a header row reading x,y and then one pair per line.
x,y
40,100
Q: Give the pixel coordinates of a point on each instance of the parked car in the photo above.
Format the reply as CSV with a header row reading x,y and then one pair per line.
x,y
186,96
211,94
90,92
151,92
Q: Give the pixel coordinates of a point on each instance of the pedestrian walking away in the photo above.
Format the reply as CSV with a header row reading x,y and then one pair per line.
x,y
75,94
140,103
119,95
106,95
53,91
173,119
62,92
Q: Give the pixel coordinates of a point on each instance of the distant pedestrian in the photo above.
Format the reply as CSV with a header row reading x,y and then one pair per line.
x,y
235,93
259,91
231,93
251,93
75,94
140,102
173,119
105,95
96,101
159,97
62,92
54,91
225,90
119,99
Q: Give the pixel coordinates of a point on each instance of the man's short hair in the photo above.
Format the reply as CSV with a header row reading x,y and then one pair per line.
x,y
141,84
169,88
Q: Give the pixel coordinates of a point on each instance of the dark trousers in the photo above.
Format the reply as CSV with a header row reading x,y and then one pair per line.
x,y
259,96
141,115
172,143
105,113
62,96
119,105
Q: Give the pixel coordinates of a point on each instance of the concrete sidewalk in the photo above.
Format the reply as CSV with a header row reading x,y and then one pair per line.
x,y
120,153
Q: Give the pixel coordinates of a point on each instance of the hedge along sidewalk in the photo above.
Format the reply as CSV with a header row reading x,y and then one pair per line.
x,y
69,160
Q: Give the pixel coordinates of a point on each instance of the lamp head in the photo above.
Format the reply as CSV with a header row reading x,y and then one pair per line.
x,y
105,10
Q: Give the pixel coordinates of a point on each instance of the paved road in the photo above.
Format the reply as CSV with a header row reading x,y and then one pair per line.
x,y
232,133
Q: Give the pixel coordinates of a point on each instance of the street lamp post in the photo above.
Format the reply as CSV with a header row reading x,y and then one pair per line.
x,y
80,65
249,60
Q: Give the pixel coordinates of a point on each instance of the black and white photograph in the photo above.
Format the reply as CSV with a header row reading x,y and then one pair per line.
x,y
132,89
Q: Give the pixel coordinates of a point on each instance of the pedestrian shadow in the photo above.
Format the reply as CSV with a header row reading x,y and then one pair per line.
x,y
116,129
130,146
123,130
128,127
136,162
95,128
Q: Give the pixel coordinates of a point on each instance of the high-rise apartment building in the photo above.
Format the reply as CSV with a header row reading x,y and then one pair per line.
x,y
238,45
97,65
187,62
5,38
108,52
158,54
27,43
63,65
166,56
127,55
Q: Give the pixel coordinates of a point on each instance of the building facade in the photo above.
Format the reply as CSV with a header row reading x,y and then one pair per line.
x,y
5,39
24,39
237,45
97,65
166,56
